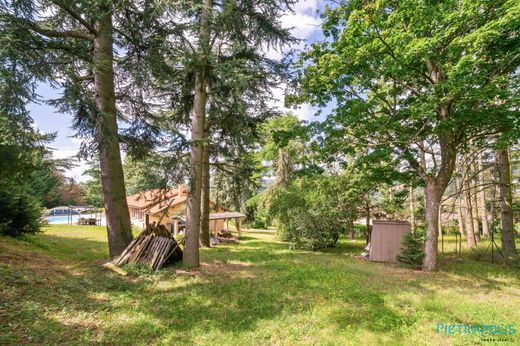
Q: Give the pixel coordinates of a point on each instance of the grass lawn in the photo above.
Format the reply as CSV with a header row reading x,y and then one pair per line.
x,y
53,290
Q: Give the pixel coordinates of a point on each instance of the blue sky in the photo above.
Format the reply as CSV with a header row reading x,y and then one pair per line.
x,y
305,23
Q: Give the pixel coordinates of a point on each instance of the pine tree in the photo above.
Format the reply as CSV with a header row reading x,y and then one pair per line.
x,y
71,44
211,61
412,250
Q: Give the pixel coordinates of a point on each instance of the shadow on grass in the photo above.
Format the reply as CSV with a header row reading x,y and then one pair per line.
x,y
280,282
272,283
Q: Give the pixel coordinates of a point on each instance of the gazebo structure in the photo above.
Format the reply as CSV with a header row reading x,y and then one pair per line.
x,y
79,209
214,220
226,216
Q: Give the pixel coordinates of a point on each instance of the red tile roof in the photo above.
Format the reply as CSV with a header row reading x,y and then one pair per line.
x,y
147,199
167,203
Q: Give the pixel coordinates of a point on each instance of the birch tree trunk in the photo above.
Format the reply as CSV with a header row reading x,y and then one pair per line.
x,y
460,218
492,218
367,221
474,199
458,205
112,180
506,201
193,214
412,208
470,230
482,196
475,211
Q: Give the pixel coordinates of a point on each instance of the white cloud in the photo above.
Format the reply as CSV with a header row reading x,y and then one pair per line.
x,y
304,22
80,166
304,112
76,141
64,153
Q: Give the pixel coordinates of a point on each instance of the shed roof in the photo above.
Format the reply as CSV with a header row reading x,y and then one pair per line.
x,y
226,215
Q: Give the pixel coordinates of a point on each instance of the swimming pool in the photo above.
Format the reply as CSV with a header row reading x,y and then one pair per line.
x,y
64,219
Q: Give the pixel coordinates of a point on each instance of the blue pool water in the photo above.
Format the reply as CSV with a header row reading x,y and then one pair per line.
x,y
64,219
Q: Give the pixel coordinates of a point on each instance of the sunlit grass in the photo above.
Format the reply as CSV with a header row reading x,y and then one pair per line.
x,y
54,290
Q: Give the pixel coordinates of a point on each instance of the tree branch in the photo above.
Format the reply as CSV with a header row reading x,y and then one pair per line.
x,y
76,16
65,34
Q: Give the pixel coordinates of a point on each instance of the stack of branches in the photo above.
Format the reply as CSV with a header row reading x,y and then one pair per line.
x,y
153,247
225,236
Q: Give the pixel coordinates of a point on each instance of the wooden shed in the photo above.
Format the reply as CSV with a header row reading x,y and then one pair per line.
x,y
386,238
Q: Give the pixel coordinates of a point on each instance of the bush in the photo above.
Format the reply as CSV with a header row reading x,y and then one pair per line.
x,y
312,212
20,212
256,212
360,231
412,250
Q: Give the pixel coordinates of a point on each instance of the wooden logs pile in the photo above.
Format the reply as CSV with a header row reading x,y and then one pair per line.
x,y
225,233
153,247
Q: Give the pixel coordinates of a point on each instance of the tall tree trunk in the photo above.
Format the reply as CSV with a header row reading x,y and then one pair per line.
x,y
470,226
193,214
112,180
492,218
422,160
367,221
433,192
283,168
482,195
204,221
458,205
350,229
412,207
460,218
506,201
474,203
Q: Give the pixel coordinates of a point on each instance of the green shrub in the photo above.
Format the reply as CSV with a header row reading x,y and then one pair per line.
x,y
20,212
256,212
360,231
312,212
412,250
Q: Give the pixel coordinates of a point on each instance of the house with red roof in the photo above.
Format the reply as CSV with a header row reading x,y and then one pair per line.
x,y
168,207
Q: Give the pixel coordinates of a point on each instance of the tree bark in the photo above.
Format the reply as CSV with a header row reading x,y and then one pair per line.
x,y
412,207
434,190
112,179
204,221
351,230
193,214
458,205
492,218
367,222
474,203
470,226
460,219
482,196
506,201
